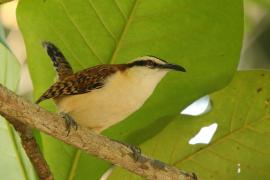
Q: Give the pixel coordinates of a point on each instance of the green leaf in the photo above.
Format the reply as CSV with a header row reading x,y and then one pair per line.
x,y
241,142
14,163
202,36
69,163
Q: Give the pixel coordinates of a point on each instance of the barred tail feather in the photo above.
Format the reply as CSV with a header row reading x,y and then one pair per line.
x,y
60,63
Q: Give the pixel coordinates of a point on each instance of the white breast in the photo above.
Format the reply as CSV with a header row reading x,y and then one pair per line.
x,y
122,94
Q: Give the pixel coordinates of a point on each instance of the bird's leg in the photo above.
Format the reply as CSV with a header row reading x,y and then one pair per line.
x,y
136,151
70,122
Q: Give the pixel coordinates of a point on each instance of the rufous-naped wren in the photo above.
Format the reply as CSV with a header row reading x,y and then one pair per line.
x,y
100,96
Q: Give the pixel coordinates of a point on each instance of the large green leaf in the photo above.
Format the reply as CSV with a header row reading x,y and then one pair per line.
x,y
14,163
240,149
200,35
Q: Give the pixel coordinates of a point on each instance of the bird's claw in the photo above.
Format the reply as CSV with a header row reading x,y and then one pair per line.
x,y
70,122
136,152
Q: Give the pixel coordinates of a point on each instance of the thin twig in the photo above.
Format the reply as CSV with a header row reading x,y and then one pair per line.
x,y
14,107
32,150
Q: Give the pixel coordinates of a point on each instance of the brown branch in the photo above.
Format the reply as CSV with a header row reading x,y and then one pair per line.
x,y
14,107
32,150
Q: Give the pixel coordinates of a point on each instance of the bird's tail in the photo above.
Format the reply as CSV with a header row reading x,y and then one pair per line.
x,y
60,63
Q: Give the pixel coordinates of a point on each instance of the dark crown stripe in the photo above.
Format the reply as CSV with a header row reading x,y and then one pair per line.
x,y
147,63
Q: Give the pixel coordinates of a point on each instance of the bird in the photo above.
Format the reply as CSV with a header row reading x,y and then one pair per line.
x,y
101,96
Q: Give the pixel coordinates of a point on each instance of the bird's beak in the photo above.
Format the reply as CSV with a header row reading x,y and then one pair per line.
x,y
175,67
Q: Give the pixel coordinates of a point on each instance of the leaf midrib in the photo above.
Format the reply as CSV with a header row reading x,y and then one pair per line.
x,y
73,168
118,44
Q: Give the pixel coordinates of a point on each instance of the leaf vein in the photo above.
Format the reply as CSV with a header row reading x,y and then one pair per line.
x,y
79,31
101,20
254,169
248,147
74,164
113,56
204,167
121,10
72,53
252,129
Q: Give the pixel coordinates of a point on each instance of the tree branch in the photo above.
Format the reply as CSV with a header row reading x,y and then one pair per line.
x,y
32,150
14,107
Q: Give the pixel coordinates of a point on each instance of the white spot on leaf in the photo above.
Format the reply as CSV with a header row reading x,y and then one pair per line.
x,y
198,107
205,135
238,168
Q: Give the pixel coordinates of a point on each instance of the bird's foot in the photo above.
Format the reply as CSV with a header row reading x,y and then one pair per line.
x,y
70,122
136,151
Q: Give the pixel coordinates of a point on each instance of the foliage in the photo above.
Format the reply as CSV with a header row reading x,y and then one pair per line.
x,y
199,35
240,147
13,157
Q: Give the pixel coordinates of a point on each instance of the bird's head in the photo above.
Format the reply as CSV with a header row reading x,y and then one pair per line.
x,y
150,65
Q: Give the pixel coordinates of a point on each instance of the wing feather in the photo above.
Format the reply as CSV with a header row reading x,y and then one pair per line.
x,y
80,82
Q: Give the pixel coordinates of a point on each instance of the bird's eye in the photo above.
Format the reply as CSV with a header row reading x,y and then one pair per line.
x,y
151,64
